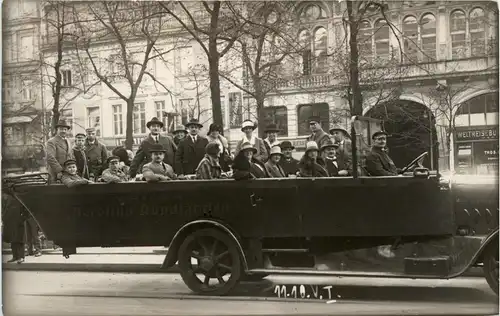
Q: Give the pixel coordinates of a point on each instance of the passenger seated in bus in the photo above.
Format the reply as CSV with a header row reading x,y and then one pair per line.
x,y
272,166
69,177
328,154
245,166
311,165
289,164
209,167
378,162
113,174
125,158
157,170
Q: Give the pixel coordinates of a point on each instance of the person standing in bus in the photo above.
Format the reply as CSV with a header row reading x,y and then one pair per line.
x,y
58,151
247,128
318,134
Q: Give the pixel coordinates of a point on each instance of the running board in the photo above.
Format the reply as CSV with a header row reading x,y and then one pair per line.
x,y
305,271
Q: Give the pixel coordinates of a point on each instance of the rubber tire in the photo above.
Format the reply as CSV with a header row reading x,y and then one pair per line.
x,y
254,277
192,281
488,265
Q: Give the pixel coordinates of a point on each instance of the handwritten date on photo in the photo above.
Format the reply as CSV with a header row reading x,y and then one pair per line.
x,y
318,292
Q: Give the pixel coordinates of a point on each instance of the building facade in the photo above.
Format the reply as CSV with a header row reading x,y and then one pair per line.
x,y
21,99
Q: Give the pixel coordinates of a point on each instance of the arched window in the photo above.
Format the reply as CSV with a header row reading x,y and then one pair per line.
x,y
365,40
305,46
312,12
320,45
457,32
410,34
428,37
382,39
477,32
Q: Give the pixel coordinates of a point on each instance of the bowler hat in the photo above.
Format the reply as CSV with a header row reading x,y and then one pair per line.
x,y
340,129
69,162
180,128
154,120
248,146
377,133
275,150
272,128
310,146
329,143
157,148
286,144
112,158
248,123
62,123
212,149
194,122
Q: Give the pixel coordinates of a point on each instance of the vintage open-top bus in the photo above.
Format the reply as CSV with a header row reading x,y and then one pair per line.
x,y
416,225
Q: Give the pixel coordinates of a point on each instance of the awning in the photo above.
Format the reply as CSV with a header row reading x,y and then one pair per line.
x,y
17,120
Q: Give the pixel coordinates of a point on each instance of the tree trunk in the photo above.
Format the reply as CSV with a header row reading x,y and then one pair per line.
x,y
357,102
260,116
215,84
129,132
55,117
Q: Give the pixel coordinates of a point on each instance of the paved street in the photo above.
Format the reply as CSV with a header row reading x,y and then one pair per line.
x,y
80,293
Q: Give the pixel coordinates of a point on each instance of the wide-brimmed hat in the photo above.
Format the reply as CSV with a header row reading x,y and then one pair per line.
x,y
69,162
272,128
156,148
275,150
154,120
194,122
310,146
314,118
378,133
248,123
340,129
248,146
329,143
286,144
62,123
112,158
212,149
180,128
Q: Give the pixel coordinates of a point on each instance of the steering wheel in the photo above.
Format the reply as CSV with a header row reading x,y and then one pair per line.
x,y
415,162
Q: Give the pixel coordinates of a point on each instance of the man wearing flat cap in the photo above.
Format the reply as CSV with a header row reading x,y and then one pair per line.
x,y
344,151
69,176
191,149
96,152
143,155
81,156
289,164
318,134
59,150
114,174
378,162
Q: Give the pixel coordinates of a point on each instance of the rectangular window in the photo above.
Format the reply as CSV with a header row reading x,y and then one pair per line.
x,y
66,78
139,121
7,90
235,110
277,115
305,111
161,114
184,60
27,47
118,119
27,88
306,62
94,119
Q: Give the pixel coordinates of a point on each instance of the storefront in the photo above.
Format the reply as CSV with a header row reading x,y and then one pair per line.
x,y
476,150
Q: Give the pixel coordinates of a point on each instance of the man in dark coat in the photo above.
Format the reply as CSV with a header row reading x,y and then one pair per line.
x,y
96,152
80,156
191,150
58,151
329,156
143,155
378,162
344,151
13,232
272,137
289,164
318,134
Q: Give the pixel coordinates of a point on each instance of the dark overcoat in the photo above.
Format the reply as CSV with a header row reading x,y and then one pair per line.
x,y
189,154
312,169
378,163
290,167
143,156
97,154
58,151
13,216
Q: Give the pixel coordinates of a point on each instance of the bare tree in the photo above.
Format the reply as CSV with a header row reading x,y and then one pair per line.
x,y
134,30
212,25
198,82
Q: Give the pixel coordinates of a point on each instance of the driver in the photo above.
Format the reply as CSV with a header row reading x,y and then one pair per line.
x,y
378,162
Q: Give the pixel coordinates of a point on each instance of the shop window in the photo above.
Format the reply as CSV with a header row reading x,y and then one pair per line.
x,y
305,111
277,115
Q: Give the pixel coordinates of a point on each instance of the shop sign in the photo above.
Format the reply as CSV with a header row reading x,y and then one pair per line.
x,y
480,133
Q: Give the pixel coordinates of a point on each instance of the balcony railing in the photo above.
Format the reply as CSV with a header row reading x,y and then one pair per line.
x,y
307,82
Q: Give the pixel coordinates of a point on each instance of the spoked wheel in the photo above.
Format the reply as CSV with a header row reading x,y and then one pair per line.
x,y
490,266
218,264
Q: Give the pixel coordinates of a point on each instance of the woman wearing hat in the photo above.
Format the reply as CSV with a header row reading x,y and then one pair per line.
x,y
59,150
272,137
179,134
209,167
272,166
311,165
245,166
214,136
247,128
